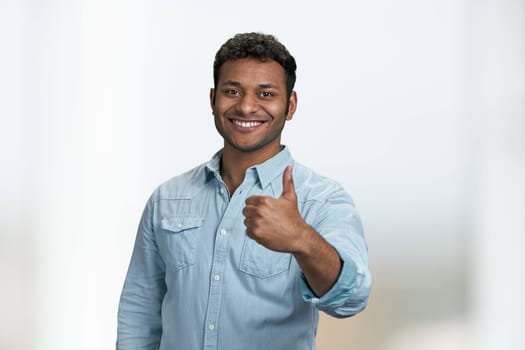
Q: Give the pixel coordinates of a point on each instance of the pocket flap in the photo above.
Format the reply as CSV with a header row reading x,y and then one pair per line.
x,y
180,223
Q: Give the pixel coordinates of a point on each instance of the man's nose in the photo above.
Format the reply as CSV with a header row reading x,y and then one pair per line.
x,y
248,104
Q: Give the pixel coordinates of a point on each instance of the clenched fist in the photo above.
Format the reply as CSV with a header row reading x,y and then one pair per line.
x,y
276,222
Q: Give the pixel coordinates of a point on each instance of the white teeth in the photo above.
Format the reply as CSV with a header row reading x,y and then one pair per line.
x,y
249,124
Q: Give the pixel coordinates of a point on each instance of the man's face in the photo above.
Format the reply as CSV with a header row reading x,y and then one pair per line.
x,y
250,105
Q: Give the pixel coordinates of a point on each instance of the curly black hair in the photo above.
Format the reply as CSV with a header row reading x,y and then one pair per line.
x,y
260,46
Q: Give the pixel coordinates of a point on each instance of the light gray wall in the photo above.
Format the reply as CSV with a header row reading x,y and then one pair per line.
x,y
409,104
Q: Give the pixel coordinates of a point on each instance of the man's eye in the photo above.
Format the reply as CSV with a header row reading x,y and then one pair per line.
x,y
232,92
266,94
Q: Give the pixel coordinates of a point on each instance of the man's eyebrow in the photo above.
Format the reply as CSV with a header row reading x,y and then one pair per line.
x,y
231,82
268,86
238,84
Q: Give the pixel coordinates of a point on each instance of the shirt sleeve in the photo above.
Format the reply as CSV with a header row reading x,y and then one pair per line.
x,y
338,222
139,315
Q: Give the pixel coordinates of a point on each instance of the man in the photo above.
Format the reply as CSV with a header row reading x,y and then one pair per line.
x,y
242,251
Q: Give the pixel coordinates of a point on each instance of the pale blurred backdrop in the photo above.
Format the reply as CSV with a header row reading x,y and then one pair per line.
x,y
415,106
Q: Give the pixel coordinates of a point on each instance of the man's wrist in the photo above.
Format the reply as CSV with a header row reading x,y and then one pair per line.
x,y
305,244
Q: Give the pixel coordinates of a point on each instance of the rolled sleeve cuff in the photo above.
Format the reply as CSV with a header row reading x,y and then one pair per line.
x,y
338,294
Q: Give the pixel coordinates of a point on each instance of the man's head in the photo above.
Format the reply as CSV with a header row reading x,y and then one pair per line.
x,y
259,46
253,94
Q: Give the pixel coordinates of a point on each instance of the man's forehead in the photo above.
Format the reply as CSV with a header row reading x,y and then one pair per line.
x,y
239,84
233,70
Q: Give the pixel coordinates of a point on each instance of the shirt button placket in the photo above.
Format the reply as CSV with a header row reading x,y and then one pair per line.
x,y
214,300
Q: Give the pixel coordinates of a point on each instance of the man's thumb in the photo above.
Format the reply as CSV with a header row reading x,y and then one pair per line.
x,y
288,186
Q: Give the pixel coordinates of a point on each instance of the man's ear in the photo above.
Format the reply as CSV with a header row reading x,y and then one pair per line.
x,y
212,97
292,105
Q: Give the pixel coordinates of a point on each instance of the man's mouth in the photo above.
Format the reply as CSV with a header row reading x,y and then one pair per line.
x,y
247,123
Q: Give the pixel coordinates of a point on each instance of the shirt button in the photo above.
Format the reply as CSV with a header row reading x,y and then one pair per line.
x,y
217,277
211,327
179,225
221,190
223,232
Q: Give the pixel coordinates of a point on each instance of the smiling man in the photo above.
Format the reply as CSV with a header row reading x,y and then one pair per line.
x,y
243,251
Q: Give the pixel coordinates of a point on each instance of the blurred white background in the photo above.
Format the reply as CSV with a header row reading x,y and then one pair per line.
x,y
416,106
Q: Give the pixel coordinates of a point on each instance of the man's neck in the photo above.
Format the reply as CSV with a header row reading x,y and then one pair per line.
x,y
234,164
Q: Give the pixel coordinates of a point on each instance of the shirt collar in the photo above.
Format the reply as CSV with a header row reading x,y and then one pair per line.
x,y
266,171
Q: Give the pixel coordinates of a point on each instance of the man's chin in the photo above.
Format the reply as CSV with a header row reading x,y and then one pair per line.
x,y
248,148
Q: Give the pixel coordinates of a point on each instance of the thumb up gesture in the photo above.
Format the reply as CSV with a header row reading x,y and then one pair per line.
x,y
276,222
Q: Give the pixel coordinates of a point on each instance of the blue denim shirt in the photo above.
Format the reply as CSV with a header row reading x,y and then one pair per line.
x,y
196,281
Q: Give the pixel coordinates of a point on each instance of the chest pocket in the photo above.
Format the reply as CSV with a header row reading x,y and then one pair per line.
x,y
261,262
179,238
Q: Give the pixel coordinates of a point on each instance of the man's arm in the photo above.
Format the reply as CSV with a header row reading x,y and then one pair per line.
x,y
340,226
139,316
319,261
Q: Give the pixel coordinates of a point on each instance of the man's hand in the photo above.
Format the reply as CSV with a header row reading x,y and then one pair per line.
x,y
276,222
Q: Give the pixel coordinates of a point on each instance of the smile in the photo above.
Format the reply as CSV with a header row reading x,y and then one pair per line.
x,y
247,124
